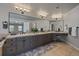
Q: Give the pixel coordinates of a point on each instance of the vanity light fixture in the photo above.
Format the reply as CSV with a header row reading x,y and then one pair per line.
x,y
27,10
16,7
57,15
22,10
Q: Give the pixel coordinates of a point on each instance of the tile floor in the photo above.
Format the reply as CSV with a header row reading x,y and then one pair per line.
x,y
53,49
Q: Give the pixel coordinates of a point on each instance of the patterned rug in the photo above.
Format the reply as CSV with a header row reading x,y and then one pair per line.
x,y
38,51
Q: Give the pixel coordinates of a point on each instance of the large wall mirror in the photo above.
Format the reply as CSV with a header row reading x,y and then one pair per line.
x,y
19,23
57,25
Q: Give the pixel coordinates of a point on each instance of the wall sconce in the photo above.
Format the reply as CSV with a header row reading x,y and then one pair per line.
x,y
22,10
5,24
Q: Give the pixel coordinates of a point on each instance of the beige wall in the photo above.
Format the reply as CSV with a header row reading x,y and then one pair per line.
x,y
72,20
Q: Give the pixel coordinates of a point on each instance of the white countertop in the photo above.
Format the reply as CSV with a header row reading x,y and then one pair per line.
x,y
32,34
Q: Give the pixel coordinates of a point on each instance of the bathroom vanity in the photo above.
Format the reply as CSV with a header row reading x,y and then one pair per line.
x,y
17,44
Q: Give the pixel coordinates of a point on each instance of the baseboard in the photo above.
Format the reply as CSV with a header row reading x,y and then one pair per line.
x,y
72,45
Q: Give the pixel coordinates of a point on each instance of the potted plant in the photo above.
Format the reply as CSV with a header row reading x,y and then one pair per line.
x,y
34,30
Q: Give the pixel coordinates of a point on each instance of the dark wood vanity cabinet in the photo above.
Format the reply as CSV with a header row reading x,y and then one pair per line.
x,y
59,37
18,45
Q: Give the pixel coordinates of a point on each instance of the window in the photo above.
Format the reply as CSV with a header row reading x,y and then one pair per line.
x,y
11,28
19,28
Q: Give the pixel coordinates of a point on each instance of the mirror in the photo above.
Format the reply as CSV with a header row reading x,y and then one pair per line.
x,y
20,23
57,25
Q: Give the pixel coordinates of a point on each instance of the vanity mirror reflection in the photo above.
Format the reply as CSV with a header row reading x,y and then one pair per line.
x,y
19,23
16,27
57,25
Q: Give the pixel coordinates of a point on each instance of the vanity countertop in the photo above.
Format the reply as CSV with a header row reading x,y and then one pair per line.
x,y
32,34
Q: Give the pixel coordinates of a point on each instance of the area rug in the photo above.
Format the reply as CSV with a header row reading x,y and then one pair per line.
x,y
38,51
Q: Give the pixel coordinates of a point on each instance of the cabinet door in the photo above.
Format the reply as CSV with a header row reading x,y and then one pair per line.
x,y
19,45
48,38
9,47
27,43
33,41
38,40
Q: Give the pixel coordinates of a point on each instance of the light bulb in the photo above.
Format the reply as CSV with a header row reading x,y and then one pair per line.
x,y
16,7
20,8
24,9
27,10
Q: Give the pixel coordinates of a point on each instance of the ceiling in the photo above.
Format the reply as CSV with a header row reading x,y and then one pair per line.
x,y
50,8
